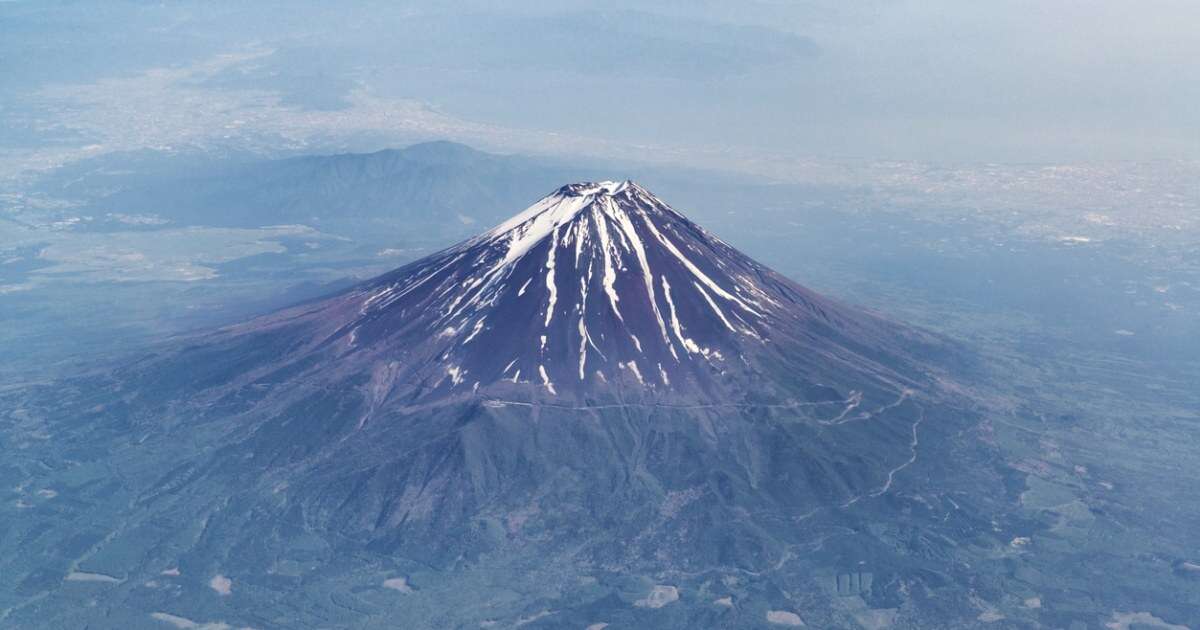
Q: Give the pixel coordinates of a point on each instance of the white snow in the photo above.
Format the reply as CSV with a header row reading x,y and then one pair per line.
x,y
610,273
475,331
521,234
546,380
713,304
648,278
580,235
583,332
378,295
612,227
688,344
632,367
583,340
696,271
529,227
608,187
553,288
388,295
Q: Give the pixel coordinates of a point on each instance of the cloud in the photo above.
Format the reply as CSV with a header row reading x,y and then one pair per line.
x,y
174,108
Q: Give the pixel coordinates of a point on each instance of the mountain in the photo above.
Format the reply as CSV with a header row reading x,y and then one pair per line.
x,y
595,412
432,189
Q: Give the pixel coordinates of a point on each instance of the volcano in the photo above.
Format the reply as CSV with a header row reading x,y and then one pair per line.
x,y
595,412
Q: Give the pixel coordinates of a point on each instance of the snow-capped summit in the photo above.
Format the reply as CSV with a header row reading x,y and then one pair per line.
x,y
596,282
598,290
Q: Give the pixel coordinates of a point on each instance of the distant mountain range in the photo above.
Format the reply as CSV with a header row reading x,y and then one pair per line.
x,y
428,193
439,188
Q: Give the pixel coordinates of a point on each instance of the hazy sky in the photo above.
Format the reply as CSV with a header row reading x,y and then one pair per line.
x,y
742,84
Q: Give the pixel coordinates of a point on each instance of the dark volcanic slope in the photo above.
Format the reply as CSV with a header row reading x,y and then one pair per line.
x,y
599,290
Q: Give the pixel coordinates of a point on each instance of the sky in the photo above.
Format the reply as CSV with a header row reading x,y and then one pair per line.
x,y
763,87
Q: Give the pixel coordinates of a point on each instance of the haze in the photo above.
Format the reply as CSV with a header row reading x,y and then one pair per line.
x,y
748,88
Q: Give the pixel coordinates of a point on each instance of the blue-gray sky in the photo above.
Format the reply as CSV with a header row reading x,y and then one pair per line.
x,y
750,85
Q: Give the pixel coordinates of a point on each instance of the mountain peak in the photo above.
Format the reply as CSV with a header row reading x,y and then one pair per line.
x,y
441,151
566,205
607,187
595,282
